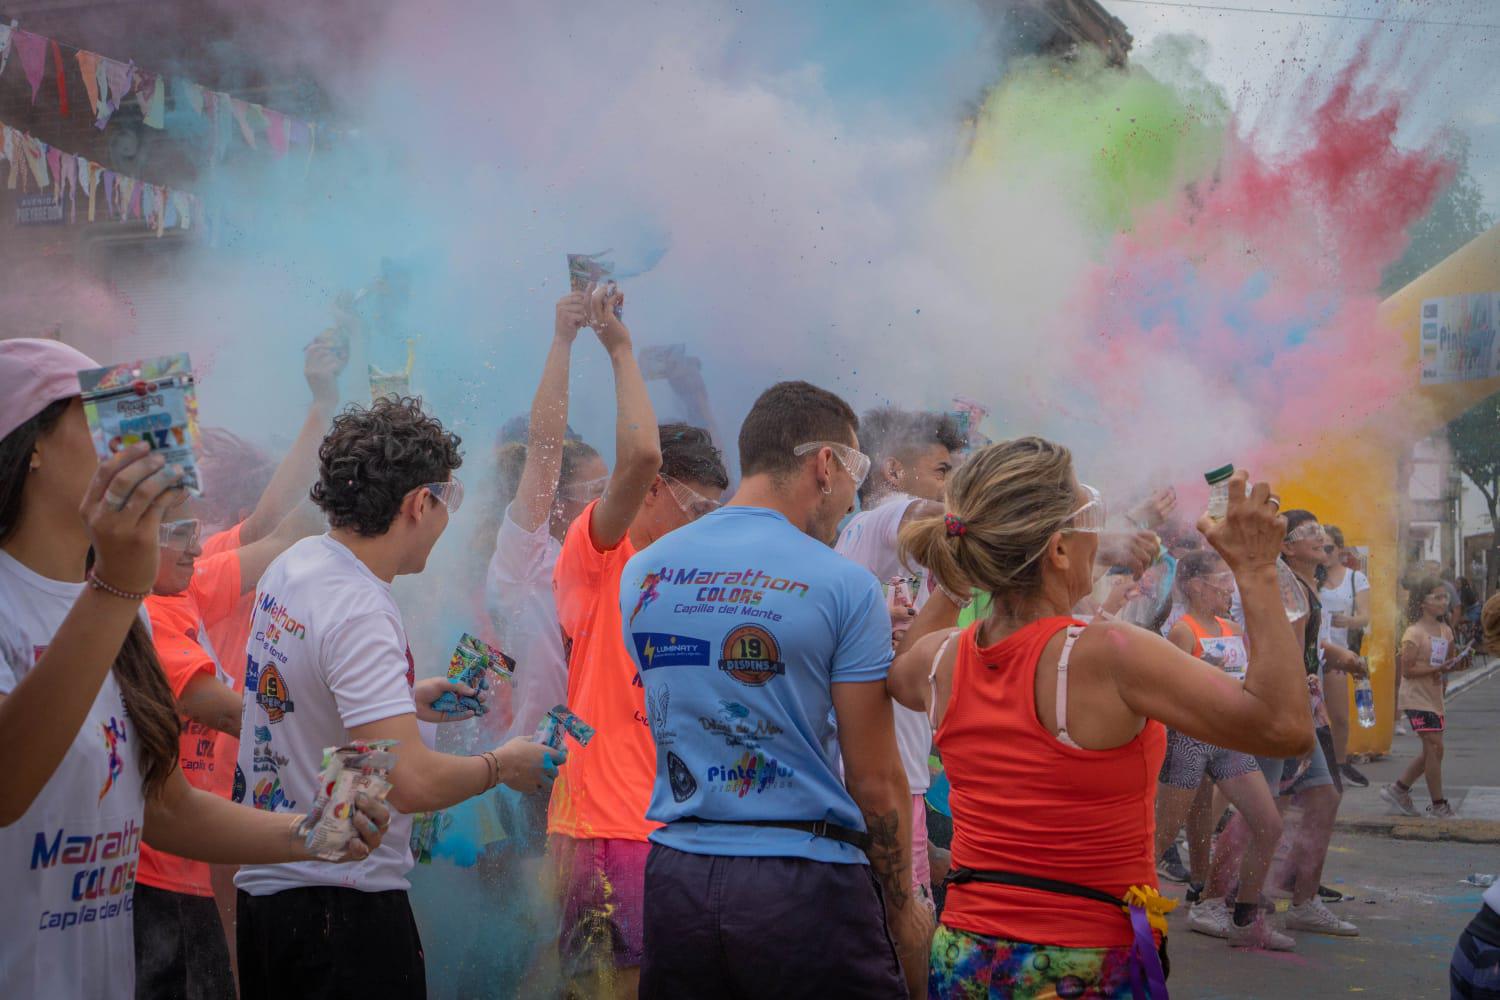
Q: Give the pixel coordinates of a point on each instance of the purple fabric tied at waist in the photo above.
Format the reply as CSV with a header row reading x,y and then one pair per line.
x,y
1147,980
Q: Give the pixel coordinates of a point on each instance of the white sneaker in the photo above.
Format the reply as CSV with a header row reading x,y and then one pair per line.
x,y
1259,934
1315,918
1401,800
1211,917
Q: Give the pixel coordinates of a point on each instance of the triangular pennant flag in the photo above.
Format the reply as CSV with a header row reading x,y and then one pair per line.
x,y
5,33
62,80
36,158
241,112
54,170
114,86
275,130
189,93
32,50
88,66
151,95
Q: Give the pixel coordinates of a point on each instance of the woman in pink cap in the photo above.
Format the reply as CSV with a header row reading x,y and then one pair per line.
x,y
88,726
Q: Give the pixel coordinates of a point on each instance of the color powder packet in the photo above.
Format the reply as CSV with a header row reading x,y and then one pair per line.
x,y
558,723
394,384
587,270
474,660
969,414
347,771
154,400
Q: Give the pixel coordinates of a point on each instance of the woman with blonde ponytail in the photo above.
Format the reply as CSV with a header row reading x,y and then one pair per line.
x,y
1052,734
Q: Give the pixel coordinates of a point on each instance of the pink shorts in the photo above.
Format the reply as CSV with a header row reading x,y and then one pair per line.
x,y
921,868
602,883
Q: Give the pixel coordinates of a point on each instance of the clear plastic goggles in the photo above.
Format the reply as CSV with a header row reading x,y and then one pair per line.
x,y
585,491
693,503
449,494
1303,532
854,461
179,535
1091,516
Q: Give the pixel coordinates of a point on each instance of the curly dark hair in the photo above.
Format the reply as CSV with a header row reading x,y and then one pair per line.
x,y
374,456
688,455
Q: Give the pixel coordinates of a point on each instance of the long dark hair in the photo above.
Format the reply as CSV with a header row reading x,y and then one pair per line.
x,y
1418,595
148,699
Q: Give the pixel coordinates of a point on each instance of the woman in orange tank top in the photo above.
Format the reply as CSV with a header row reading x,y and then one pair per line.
x,y
1051,734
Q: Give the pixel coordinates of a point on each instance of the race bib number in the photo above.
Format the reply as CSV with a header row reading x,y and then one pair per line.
x,y
1227,652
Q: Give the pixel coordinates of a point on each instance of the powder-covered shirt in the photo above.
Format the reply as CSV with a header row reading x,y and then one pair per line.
x,y
68,864
603,790
741,624
327,654
518,595
179,630
869,538
1340,601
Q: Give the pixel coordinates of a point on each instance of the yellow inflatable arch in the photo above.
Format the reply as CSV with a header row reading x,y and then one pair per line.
x,y
1351,477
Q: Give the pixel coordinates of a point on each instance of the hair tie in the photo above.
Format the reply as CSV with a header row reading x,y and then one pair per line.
x,y
955,525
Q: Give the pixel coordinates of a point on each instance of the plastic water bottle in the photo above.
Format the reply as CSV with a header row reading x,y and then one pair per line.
x,y
1293,594
1364,702
1218,491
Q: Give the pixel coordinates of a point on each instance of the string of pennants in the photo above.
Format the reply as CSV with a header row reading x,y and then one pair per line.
x,y
105,193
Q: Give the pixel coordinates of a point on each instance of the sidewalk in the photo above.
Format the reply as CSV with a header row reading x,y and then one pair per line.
x,y
1471,773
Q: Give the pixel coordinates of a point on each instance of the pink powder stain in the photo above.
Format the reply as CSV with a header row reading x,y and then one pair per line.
x,y
1266,276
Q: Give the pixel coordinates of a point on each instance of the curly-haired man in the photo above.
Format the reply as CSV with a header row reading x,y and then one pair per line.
x,y
328,663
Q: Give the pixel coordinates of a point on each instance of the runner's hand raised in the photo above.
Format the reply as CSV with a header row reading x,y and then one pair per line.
x,y
122,512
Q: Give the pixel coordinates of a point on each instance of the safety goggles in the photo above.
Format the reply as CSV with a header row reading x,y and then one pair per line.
x,y
179,535
1088,518
693,503
585,491
1223,582
1303,532
854,461
450,494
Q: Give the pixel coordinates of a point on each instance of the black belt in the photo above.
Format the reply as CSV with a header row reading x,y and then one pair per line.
x,y
818,828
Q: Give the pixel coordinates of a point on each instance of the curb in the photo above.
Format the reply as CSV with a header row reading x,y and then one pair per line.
x,y
1467,831
1474,678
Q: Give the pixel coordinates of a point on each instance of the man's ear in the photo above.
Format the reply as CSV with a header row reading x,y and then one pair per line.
x,y
892,469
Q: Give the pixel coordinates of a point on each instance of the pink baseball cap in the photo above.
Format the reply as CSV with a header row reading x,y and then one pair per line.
x,y
33,375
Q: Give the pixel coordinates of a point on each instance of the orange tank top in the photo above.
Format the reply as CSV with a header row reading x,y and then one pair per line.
x,y
1200,633
1024,802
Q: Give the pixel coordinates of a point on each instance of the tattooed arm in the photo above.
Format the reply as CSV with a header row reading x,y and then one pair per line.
x,y
877,783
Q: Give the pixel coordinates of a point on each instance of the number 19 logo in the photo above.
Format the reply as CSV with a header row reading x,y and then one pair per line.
x,y
751,655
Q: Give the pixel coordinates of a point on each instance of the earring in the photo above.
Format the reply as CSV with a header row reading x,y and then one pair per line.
x,y
828,491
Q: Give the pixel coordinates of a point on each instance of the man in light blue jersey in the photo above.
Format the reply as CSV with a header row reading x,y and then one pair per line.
x,y
771,876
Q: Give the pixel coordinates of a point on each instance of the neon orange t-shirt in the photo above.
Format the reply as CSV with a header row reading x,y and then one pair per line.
x,y
603,790
231,633
178,627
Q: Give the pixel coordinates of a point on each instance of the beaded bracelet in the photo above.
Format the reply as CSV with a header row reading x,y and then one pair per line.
x,y
99,584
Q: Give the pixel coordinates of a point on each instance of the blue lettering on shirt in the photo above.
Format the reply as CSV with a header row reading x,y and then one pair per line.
x,y
739,625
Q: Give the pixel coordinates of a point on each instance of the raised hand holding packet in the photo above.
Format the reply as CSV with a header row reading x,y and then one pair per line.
x,y
153,400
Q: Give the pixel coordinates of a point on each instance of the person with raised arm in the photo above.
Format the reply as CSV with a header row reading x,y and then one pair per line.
x,y
664,477
1046,726
86,717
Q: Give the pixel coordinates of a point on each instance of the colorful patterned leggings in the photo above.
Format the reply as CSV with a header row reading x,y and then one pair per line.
x,y
974,967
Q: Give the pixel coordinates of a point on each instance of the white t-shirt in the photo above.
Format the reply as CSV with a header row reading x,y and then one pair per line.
x,y
1340,601
69,863
869,538
518,593
327,654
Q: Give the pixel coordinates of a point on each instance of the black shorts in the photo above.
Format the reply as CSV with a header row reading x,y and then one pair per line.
x,y
764,927
323,943
181,952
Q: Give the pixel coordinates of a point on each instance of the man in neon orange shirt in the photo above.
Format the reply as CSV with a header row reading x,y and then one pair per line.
x,y
663,478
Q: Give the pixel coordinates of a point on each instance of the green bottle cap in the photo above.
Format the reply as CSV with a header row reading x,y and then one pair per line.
x,y
1218,475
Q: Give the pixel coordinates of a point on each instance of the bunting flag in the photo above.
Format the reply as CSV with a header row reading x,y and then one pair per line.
x,y
62,81
32,50
69,176
5,33
109,82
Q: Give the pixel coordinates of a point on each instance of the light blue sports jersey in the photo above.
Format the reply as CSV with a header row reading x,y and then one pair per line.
x,y
739,624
